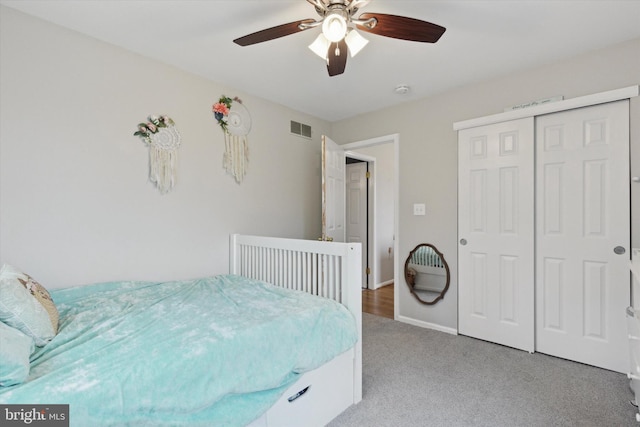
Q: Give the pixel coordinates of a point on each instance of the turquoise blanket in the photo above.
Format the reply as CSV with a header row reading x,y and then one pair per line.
x,y
216,351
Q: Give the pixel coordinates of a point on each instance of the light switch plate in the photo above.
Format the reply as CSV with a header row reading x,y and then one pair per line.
x,y
419,209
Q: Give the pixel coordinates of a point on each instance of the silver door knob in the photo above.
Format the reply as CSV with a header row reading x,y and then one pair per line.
x,y
463,242
619,250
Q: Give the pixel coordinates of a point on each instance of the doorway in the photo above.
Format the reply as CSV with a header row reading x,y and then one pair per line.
x,y
381,157
379,301
358,210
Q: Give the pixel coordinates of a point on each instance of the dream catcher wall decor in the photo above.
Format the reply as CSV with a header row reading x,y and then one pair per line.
x,y
162,138
235,121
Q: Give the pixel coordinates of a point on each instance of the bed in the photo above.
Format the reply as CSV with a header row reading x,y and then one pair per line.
x,y
275,342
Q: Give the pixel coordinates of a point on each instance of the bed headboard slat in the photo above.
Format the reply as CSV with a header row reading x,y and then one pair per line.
x,y
308,265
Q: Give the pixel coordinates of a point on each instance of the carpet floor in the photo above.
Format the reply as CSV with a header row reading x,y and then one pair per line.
x,y
420,377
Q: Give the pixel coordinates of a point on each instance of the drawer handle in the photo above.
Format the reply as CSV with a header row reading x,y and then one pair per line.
x,y
298,394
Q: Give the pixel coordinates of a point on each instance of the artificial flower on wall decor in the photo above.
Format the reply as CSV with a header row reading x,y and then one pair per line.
x,y
163,139
235,122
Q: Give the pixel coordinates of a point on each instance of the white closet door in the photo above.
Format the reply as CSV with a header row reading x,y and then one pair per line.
x,y
582,209
495,228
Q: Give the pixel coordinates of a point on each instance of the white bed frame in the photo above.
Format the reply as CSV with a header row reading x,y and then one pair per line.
x,y
327,269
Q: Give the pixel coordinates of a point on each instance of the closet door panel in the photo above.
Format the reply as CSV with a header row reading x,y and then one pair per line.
x,y
553,293
495,198
582,208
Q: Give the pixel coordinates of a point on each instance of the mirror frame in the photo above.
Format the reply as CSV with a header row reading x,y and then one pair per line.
x,y
406,274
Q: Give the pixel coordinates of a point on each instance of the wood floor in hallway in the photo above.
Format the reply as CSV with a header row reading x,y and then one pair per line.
x,y
379,301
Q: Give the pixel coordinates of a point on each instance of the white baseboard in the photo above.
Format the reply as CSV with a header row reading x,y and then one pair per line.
x,y
379,285
427,325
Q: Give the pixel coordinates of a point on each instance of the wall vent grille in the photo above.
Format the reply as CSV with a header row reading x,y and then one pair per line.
x,y
301,129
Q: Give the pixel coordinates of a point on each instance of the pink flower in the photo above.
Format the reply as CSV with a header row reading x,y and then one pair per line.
x,y
219,107
152,127
142,128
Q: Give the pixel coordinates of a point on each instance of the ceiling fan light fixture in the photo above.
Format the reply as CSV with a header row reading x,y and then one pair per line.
x,y
338,36
320,46
334,26
355,42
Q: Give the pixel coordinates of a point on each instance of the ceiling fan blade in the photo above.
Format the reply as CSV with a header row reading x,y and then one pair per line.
x,y
273,33
400,27
337,58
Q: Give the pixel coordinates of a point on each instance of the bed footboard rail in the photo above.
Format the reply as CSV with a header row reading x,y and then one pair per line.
x,y
327,269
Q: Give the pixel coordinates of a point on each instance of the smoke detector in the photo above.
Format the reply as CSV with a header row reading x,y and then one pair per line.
x,y
402,89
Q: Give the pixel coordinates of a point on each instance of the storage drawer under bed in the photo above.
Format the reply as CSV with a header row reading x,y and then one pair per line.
x,y
316,398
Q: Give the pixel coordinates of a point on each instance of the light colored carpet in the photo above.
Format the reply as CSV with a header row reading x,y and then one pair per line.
x,y
420,377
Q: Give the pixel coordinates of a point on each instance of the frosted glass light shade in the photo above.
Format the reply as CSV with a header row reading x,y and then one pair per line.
x,y
355,42
334,27
320,46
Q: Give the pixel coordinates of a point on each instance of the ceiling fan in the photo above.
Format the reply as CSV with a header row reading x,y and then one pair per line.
x,y
339,35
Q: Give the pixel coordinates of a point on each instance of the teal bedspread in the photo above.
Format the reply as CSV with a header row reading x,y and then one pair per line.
x,y
215,351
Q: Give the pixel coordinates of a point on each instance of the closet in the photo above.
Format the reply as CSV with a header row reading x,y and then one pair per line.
x,y
544,228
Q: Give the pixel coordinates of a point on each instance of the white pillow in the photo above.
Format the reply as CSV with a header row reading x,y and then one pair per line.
x,y
15,349
27,306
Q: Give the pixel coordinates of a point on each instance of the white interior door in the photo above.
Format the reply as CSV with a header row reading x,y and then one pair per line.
x,y
356,210
583,214
333,191
495,228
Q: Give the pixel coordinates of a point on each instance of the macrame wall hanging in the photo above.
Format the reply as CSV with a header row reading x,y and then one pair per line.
x,y
162,138
235,121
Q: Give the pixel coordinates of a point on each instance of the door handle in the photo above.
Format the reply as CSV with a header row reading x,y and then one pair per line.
x,y
463,242
619,250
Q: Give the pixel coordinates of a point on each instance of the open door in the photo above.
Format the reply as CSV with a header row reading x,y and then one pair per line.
x,y
356,224
333,191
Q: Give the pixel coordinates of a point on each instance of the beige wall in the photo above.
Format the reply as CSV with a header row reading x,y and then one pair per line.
x,y
75,203
428,148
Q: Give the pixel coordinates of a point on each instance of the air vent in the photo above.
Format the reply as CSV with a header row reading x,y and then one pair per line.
x,y
301,129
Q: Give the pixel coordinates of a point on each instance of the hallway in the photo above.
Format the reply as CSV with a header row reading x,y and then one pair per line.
x,y
379,301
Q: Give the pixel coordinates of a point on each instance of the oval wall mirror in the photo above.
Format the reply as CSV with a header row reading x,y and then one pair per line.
x,y
427,274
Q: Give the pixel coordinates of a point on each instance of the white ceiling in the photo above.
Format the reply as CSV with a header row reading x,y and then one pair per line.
x,y
484,39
